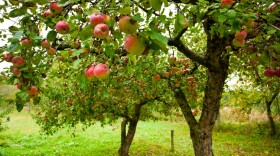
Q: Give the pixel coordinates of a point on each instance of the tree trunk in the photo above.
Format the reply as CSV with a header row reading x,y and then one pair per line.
x,y
127,137
269,115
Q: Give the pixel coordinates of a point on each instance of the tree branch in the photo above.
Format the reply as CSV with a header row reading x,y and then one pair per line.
x,y
176,42
180,1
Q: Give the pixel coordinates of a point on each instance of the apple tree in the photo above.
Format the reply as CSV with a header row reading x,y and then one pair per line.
x,y
85,33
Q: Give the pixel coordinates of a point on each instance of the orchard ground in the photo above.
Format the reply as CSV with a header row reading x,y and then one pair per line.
x,y
23,137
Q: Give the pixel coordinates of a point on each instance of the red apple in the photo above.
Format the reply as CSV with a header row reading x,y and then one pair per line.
x,y
134,44
101,31
18,61
51,51
101,71
107,18
62,27
76,44
33,91
226,3
167,74
90,72
16,71
277,72
238,43
18,85
157,77
128,25
55,8
241,35
47,13
95,19
45,44
26,42
8,57
171,59
268,72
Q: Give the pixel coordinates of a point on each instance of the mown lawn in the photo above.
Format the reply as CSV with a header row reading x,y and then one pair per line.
x,y
152,139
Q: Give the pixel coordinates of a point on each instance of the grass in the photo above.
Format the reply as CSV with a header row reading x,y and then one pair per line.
x,y
152,139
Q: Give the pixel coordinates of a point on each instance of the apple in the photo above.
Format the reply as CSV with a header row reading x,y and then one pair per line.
x,y
134,44
101,31
26,42
51,51
250,48
128,25
241,35
95,19
226,3
33,91
167,74
268,72
185,25
76,44
238,43
277,72
18,85
62,27
107,18
47,13
8,57
16,71
272,7
18,61
171,59
101,71
45,44
90,72
55,8
157,77
79,10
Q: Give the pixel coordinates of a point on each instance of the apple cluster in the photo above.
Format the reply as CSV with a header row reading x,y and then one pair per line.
x,y
269,72
100,24
100,71
239,39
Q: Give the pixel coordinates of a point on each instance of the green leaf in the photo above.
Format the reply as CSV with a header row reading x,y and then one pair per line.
x,y
41,2
132,58
222,18
137,18
51,36
109,51
104,91
86,33
77,52
126,10
231,14
17,12
156,4
76,63
165,3
83,81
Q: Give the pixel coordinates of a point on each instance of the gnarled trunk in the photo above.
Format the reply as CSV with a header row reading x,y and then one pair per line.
x,y
269,115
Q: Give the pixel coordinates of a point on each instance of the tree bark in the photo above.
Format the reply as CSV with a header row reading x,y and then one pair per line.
x,y
269,115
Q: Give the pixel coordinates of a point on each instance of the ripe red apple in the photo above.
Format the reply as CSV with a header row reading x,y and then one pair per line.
x,y
241,35
134,44
45,44
33,91
8,57
101,31
16,71
26,42
226,3
238,43
101,71
171,59
95,19
128,25
18,85
51,51
268,72
55,8
157,77
47,13
90,72
62,27
277,72
18,61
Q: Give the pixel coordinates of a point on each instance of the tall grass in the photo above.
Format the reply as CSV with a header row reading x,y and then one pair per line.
x,y
152,139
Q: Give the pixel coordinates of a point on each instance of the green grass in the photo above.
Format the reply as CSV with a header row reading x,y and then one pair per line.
x,y
152,138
